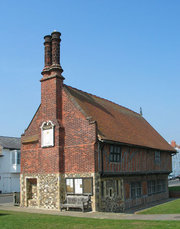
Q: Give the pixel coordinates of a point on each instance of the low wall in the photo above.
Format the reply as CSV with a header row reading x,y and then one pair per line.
x,y
174,194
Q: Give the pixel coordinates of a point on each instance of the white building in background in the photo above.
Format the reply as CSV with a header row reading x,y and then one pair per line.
x,y
9,164
175,160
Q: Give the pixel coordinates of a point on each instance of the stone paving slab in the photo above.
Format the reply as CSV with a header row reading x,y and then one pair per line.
x,y
96,215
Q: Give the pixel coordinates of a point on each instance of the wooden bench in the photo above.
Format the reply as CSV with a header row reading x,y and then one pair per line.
x,y
82,202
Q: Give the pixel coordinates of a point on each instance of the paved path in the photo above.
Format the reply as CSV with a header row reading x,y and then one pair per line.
x,y
6,198
97,215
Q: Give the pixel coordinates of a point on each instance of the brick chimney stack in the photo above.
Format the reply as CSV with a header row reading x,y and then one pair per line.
x,y
173,143
51,99
47,51
52,55
52,80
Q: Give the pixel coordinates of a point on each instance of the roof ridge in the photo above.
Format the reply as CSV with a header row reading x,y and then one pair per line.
x,y
9,137
104,99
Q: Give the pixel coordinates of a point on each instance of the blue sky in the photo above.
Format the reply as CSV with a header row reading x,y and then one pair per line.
x,y
127,51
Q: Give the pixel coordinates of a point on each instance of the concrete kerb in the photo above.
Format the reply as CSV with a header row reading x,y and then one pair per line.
x,y
96,215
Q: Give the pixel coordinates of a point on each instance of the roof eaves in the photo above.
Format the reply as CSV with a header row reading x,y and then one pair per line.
x,y
132,145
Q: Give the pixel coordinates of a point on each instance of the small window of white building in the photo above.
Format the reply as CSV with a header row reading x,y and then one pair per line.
x,y
15,157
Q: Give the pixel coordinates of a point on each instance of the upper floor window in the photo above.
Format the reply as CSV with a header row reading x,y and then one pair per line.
x,y
115,153
47,134
15,157
157,157
18,157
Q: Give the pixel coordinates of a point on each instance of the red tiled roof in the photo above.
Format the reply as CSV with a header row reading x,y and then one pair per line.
x,y
117,123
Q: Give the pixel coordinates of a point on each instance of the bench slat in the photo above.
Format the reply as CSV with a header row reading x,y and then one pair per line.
x,y
76,202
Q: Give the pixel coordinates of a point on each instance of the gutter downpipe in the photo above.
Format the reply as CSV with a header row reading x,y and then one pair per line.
x,y
100,154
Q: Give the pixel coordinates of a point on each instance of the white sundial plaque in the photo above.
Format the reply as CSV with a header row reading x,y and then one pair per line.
x,y
47,134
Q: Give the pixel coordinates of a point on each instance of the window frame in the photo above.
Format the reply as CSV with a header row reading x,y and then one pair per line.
x,y
15,159
18,157
160,186
136,187
151,187
157,157
82,178
115,153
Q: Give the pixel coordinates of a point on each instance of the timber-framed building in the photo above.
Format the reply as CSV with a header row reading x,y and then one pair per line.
x,y
80,144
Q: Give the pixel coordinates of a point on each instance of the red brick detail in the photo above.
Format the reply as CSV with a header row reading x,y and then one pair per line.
x,y
36,159
80,138
75,137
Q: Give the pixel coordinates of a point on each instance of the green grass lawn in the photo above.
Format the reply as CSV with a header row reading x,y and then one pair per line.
x,y
172,207
18,220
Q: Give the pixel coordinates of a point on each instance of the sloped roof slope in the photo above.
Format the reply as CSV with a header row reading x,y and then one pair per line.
x,y
117,123
10,142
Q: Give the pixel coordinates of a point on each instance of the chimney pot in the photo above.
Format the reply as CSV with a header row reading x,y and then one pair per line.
x,y
56,48
47,51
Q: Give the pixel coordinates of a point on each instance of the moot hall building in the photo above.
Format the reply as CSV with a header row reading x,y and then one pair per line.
x,y
80,144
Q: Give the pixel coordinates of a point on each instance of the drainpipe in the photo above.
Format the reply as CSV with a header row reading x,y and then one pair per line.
x,y
100,157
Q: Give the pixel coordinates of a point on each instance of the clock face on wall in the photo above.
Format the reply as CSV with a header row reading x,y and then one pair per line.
x,y
47,134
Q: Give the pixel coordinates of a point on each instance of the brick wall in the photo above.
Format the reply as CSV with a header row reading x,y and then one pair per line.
x,y
80,138
34,158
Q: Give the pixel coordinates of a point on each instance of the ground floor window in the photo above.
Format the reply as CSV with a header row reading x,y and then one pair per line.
x,y
79,186
161,186
156,186
111,188
151,187
136,190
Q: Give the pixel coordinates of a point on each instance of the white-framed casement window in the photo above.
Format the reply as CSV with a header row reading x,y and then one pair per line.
x,y
47,134
79,186
157,157
15,157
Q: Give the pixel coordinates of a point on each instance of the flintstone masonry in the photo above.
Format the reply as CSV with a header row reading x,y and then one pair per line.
x,y
42,191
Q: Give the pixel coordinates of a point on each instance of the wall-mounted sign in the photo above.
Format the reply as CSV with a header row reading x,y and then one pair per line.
x,y
47,134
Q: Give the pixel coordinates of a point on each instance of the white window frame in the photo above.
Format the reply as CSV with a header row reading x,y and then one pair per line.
x,y
15,154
